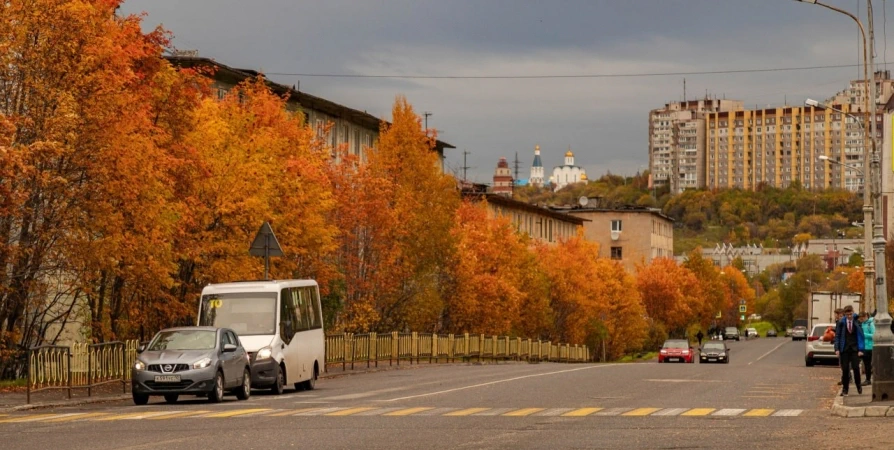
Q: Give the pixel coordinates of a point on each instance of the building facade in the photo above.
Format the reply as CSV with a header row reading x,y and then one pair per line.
x,y
503,178
677,142
354,129
541,224
631,235
568,173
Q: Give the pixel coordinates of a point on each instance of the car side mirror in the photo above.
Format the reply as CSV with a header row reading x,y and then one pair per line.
x,y
228,348
141,348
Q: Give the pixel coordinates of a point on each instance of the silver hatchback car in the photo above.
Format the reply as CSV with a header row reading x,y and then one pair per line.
x,y
191,360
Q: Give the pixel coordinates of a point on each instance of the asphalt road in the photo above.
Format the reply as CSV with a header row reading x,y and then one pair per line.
x,y
765,397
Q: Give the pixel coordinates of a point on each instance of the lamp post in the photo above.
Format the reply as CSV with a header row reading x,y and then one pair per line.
x,y
883,347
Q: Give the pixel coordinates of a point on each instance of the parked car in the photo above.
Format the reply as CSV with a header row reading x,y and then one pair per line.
x,y
676,350
191,360
788,332
731,333
771,332
714,351
799,333
818,349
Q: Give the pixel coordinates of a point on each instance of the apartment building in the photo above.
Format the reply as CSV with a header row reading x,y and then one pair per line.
x,y
630,234
677,142
541,224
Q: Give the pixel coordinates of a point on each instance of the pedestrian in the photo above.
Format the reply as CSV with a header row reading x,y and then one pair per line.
x,y
868,325
849,349
700,336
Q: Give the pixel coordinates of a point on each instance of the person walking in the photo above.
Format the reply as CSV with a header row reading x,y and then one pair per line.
x,y
868,324
849,349
700,336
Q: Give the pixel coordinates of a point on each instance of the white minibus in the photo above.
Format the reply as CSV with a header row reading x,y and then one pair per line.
x,y
280,324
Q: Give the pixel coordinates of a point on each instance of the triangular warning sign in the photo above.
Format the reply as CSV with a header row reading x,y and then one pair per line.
x,y
265,243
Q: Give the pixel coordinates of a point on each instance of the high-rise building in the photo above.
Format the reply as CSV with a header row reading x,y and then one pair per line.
x,y
677,142
536,178
503,178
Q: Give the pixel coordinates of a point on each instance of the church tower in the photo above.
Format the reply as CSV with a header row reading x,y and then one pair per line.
x,y
536,169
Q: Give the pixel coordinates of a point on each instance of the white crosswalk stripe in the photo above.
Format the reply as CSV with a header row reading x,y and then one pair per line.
x,y
788,413
728,412
553,412
612,411
494,411
671,412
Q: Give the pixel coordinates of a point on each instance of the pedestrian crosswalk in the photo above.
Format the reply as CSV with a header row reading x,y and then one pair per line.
x,y
370,410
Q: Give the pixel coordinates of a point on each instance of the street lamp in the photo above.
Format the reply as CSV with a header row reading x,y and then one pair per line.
x,y
883,350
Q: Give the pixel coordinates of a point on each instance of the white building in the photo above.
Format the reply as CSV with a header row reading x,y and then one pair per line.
x,y
568,173
536,169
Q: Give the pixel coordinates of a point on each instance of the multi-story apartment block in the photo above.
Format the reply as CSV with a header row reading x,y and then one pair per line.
x,y
630,235
541,224
677,142
855,95
777,146
355,129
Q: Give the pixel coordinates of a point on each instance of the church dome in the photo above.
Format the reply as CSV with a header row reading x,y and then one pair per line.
x,y
583,177
569,154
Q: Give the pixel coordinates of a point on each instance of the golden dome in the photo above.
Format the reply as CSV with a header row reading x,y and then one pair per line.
x,y
568,153
583,177
536,147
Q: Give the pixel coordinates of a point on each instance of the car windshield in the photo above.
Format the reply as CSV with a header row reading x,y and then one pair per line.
x,y
714,346
732,330
246,313
183,340
676,344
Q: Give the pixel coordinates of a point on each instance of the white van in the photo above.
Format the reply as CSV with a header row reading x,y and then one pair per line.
x,y
280,324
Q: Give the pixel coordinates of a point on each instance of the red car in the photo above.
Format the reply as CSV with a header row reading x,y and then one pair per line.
x,y
676,350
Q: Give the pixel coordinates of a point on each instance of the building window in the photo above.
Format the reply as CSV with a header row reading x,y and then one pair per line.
x,y
616,225
616,253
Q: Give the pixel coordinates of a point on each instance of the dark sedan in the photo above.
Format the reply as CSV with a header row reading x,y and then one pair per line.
x,y
714,351
771,333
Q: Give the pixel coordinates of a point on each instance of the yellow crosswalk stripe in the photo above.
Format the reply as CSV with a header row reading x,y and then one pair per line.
x,y
236,412
348,412
523,412
641,412
581,412
698,412
466,412
290,412
139,415
408,411
29,418
76,417
178,415
759,413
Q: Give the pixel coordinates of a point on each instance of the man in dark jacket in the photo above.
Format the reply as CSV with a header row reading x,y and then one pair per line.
x,y
849,346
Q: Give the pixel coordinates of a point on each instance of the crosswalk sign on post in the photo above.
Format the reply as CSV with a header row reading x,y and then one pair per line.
x,y
742,308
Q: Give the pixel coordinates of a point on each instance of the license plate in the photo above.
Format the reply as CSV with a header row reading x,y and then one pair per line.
x,y
712,359
167,378
673,359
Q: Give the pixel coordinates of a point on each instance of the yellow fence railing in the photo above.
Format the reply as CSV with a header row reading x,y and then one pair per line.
x,y
80,365
349,349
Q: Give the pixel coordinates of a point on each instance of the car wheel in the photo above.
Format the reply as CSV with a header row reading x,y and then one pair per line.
x,y
171,398
140,399
277,387
310,384
809,362
217,392
244,391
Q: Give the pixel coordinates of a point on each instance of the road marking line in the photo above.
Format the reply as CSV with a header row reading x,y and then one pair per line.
x,y
765,354
758,413
641,412
319,411
788,412
553,412
698,412
290,412
131,416
76,416
581,412
408,411
523,412
436,412
670,412
234,413
29,418
612,411
489,383
263,413
466,412
494,412
729,412
377,411
348,412
178,415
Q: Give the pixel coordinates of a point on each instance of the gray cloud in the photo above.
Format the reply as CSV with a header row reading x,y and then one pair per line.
x,y
603,119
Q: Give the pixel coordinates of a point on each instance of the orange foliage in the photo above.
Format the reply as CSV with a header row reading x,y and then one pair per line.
x,y
671,294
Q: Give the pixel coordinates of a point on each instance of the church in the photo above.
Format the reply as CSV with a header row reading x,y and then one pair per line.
x,y
568,173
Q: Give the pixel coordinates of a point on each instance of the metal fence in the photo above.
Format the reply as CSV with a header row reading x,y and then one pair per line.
x,y
371,348
80,366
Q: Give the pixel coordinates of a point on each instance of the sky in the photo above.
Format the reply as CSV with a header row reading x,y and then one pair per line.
x,y
603,119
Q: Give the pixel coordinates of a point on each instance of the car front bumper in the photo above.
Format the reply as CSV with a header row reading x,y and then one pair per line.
x,y
263,372
193,381
711,358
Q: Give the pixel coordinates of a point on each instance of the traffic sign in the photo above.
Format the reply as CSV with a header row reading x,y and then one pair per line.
x,y
742,308
742,317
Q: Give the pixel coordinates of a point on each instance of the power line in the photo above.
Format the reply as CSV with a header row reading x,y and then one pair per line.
x,y
540,77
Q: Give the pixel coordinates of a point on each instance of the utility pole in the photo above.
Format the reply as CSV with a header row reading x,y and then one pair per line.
x,y
426,114
516,163
465,165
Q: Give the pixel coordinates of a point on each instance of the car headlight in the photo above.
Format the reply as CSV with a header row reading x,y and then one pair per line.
x,y
264,353
202,363
139,365
723,354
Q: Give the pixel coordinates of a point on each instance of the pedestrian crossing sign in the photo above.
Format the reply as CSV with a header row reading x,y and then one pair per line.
x,y
742,308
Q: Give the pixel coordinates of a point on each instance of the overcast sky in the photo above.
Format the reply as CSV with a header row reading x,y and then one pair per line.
x,y
603,119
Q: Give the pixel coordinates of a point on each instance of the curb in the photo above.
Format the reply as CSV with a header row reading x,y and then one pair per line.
x,y
838,409
63,403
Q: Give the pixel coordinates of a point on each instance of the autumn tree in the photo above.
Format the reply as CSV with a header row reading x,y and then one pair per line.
x,y
670,294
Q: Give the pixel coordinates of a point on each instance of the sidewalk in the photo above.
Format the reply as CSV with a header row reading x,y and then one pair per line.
x,y
855,405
